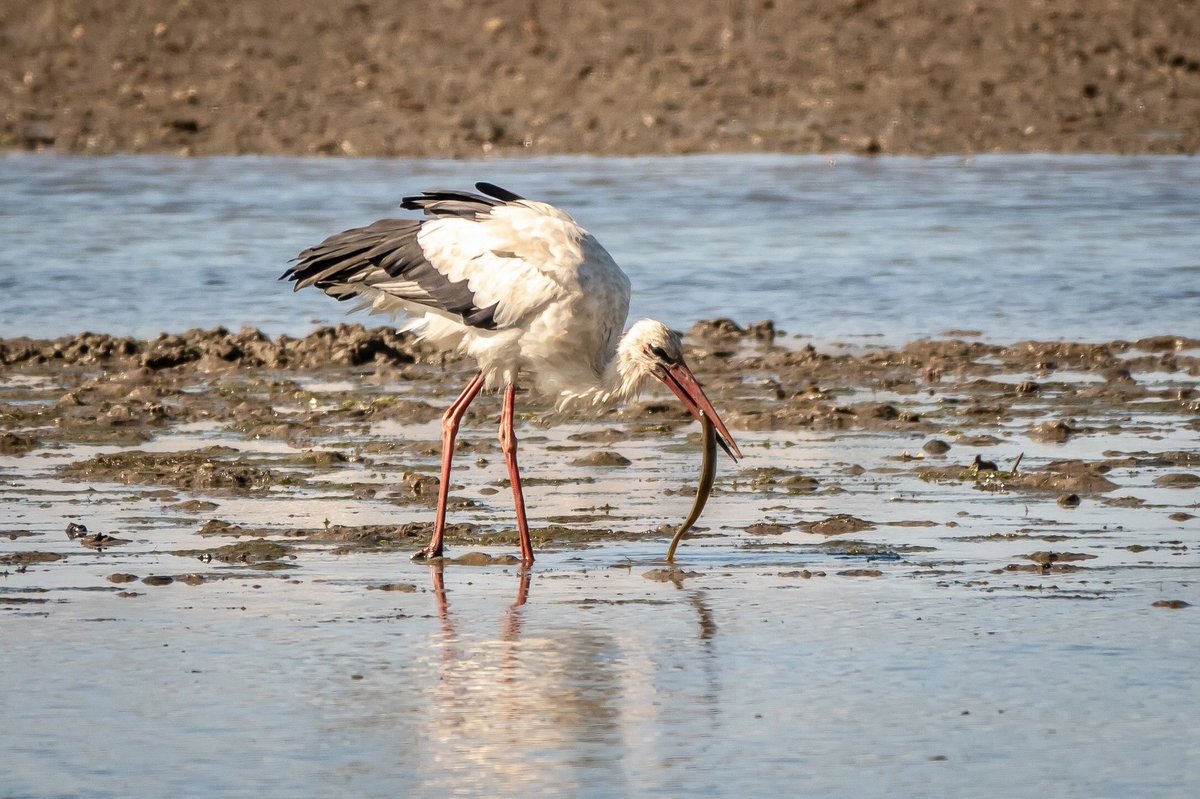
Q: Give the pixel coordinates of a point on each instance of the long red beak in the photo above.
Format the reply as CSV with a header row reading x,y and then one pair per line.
x,y
681,380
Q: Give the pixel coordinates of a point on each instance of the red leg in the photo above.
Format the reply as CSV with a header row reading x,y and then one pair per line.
x,y
508,443
450,421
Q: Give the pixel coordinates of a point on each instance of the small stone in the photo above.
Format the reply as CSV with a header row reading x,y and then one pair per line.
x,y
158,580
935,446
1069,500
1172,604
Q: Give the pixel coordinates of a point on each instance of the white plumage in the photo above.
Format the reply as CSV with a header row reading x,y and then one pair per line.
x,y
521,288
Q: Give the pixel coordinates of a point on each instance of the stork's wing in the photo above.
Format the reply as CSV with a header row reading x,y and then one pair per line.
x,y
385,257
487,261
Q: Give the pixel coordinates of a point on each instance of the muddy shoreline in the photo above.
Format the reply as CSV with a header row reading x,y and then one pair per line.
x,y
956,411
506,78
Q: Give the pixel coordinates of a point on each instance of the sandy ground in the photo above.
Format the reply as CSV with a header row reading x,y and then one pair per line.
x,y
462,79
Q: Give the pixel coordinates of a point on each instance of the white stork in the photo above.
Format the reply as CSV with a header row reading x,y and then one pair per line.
x,y
521,288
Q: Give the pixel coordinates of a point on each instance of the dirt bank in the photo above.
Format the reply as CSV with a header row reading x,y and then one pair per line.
x,y
454,78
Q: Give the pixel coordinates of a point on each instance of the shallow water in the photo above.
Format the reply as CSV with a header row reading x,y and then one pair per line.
x,y
917,662
1016,247
915,659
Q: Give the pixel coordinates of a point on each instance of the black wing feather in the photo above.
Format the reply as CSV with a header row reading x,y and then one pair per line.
x,y
348,263
492,190
449,202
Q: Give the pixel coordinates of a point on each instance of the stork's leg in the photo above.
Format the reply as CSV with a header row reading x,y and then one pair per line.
x,y
450,421
508,443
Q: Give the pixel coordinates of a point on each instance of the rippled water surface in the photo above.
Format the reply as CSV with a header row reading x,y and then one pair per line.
x,y
1015,247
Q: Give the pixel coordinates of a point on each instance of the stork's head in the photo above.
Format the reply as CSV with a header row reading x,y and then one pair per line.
x,y
651,349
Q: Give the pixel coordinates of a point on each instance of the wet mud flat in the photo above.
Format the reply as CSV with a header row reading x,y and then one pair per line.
x,y
896,506
235,448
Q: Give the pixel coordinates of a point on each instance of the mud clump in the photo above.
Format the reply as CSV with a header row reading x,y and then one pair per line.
x,y
194,506
841,524
196,470
218,349
860,573
767,528
416,487
220,527
14,444
673,574
484,559
102,541
1053,432
258,553
605,458
402,588
1178,480
323,459
1048,558
251,552
29,558
1073,477
728,330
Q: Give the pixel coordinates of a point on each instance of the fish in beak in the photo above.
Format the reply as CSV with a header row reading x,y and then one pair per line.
x,y
679,379
708,473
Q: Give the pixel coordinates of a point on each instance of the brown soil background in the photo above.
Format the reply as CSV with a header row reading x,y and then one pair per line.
x,y
457,78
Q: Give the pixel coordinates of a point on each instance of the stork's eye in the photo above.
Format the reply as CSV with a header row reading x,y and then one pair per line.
x,y
660,353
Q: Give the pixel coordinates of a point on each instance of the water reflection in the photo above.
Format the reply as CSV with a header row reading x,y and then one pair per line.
x,y
510,630
507,709
527,680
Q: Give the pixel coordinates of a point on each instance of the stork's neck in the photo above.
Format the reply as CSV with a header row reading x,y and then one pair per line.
x,y
623,379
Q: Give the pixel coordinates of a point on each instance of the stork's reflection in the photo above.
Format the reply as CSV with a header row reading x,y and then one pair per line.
x,y
510,628
552,693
